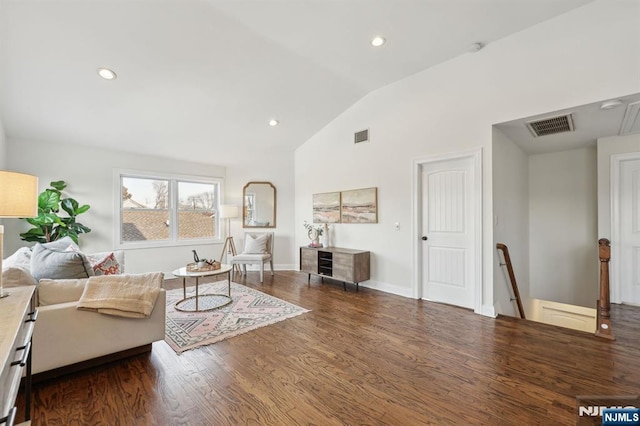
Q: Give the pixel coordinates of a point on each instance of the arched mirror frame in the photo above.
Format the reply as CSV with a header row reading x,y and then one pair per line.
x,y
272,224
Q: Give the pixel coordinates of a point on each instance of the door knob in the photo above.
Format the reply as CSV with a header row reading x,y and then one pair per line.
x,y
424,238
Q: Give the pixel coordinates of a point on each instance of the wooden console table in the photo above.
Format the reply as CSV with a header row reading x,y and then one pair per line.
x,y
17,319
342,264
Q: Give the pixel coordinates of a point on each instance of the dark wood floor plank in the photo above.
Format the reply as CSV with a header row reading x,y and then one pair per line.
x,y
357,358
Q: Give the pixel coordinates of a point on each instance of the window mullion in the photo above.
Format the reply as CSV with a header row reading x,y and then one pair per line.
x,y
173,208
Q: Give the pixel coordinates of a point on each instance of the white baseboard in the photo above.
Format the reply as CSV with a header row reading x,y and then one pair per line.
x,y
488,311
388,288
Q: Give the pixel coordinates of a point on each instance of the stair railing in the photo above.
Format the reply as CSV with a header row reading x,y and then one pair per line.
x,y
604,303
512,277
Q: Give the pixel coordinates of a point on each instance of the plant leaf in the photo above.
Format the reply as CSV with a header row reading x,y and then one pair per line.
x,y
33,238
50,219
67,232
69,205
35,232
80,228
49,200
59,185
82,209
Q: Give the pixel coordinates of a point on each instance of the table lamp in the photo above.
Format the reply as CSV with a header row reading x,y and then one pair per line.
x,y
18,198
229,211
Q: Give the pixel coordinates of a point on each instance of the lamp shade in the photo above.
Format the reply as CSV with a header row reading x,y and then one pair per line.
x,y
18,195
228,211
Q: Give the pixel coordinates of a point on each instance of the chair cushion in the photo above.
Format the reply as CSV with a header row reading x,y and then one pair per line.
x,y
245,257
55,264
255,245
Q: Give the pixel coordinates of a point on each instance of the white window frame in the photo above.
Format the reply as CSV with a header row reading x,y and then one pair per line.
x,y
173,179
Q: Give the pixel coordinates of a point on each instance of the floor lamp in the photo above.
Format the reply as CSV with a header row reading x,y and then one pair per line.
x,y
18,198
229,211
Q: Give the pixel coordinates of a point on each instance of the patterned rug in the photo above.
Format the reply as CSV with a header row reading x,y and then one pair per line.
x,y
250,309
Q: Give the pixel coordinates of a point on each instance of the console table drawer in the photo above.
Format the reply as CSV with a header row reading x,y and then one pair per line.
x,y
16,324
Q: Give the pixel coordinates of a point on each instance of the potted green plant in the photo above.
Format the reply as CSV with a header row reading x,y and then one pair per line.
x,y
49,225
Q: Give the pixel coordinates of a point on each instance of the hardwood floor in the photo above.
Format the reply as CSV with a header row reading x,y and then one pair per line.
x,y
357,358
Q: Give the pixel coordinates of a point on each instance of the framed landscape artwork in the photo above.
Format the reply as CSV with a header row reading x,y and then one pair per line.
x,y
326,207
360,206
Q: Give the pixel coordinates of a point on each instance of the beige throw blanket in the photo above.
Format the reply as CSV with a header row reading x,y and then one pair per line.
x,y
127,295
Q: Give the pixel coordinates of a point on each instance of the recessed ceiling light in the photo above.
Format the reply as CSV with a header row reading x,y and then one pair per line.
x,y
273,122
611,104
377,41
107,74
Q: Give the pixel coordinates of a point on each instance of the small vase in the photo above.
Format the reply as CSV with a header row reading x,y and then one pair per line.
x,y
325,239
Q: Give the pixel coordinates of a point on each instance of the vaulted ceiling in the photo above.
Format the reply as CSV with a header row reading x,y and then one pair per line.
x,y
200,79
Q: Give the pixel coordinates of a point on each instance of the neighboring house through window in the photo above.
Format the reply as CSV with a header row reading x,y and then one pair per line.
x,y
164,210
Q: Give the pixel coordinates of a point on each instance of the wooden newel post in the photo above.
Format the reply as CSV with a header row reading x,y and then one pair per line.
x,y
604,303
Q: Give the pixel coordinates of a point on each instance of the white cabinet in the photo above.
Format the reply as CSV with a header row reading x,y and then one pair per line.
x,y
17,319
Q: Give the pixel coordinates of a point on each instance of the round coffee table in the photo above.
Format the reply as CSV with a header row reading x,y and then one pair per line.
x,y
205,302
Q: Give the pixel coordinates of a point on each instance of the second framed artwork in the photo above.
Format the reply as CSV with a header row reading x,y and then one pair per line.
x,y
353,206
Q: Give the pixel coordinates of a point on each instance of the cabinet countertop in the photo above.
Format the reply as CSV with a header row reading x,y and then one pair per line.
x,y
336,249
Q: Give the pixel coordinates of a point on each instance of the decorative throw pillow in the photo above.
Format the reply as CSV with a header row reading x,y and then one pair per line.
x,y
108,265
20,259
52,292
58,264
117,254
255,245
64,243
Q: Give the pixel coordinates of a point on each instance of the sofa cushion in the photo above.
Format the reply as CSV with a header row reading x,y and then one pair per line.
x,y
52,292
15,276
58,264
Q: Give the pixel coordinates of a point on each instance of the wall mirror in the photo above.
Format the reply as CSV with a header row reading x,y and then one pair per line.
x,y
259,205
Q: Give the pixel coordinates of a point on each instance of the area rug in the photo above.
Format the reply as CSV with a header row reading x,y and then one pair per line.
x,y
250,309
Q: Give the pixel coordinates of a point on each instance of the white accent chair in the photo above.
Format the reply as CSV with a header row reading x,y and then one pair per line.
x,y
257,249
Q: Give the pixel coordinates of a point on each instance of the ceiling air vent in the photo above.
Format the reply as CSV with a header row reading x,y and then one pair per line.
x,y
361,136
551,126
631,121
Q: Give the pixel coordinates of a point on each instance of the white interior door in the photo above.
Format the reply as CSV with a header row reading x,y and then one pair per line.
x,y
630,232
448,232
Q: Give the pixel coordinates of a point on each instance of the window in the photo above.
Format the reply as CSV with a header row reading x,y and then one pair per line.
x,y
161,210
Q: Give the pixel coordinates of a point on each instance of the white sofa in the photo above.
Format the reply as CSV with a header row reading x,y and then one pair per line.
x,y
64,335
67,339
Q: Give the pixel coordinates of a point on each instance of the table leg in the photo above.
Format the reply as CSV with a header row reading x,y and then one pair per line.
x,y
197,279
229,283
184,288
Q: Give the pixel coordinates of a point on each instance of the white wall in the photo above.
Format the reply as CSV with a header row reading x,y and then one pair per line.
x,y
606,148
3,148
511,220
89,173
277,169
451,107
563,237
